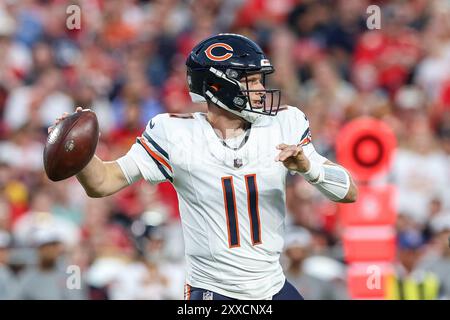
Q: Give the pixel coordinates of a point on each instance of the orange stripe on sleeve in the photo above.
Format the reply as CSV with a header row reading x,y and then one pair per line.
x,y
154,154
305,141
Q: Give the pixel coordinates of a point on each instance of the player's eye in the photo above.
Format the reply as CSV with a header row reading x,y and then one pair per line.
x,y
255,80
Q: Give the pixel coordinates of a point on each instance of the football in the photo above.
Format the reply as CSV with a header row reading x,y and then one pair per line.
x,y
71,145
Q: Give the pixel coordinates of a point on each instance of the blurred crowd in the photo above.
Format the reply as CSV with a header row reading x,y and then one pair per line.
x,y
126,63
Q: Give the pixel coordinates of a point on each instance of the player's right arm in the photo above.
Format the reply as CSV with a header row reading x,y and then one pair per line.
x,y
146,159
102,178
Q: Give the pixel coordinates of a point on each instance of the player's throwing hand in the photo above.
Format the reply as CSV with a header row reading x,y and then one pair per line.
x,y
61,118
293,157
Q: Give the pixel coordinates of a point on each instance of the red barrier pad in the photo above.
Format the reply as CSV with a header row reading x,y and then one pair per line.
x,y
369,244
368,280
375,206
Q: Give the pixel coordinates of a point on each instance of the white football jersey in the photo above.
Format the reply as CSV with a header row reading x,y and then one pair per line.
x,y
232,202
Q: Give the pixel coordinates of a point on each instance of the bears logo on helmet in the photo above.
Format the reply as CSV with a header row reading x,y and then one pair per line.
x,y
222,57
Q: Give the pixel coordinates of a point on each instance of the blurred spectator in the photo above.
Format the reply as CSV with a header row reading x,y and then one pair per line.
x,y
14,195
48,280
300,203
417,188
7,280
153,276
328,85
5,217
438,260
23,150
67,204
297,249
409,281
286,76
15,59
40,216
85,95
123,136
40,103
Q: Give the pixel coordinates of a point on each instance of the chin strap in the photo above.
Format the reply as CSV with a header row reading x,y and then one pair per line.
x,y
244,114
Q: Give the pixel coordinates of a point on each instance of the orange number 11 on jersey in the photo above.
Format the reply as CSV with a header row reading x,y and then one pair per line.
x,y
231,210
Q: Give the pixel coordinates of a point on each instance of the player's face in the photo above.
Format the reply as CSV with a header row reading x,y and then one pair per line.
x,y
254,82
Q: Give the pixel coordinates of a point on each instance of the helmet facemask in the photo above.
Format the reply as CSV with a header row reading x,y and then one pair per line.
x,y
226,91
270,98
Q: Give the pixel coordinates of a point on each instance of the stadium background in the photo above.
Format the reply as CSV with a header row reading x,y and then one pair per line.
x,y
127,64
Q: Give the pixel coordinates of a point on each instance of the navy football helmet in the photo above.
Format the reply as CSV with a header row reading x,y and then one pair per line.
x,y
215,68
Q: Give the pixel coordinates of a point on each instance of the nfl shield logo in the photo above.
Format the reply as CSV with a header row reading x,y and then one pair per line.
x,y
207,295
237,163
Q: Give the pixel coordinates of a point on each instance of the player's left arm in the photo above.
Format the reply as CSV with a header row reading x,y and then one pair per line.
x,y
352,193
328,177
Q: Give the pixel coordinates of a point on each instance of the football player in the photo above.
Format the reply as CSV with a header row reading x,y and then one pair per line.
x,y
229,168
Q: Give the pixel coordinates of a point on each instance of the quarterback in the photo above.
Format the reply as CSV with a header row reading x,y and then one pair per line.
x,y
229,167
